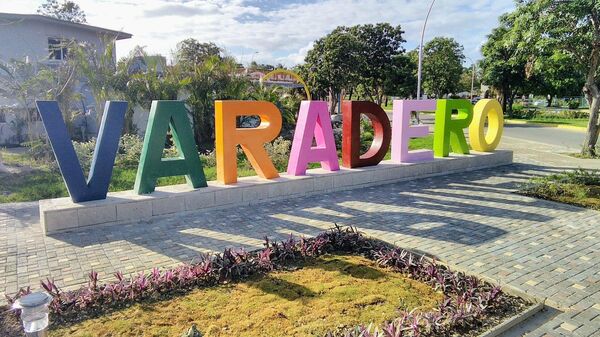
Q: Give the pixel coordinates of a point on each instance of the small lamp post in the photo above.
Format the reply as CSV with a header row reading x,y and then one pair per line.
x,y
472,77
34,313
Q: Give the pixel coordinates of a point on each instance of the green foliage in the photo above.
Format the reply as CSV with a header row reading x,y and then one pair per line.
x,y
579,187
383,59
557,75
279,152
466,78
213,79
442,66
401,78
503,67
27,82
572,29
564,114
191,52
67,10
367,60
330,65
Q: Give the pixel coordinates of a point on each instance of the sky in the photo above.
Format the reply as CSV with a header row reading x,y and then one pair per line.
x,y
270,31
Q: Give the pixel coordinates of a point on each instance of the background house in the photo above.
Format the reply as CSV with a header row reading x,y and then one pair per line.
x,y
40,40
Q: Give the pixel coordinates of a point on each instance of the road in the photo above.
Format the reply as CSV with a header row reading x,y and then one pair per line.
x,y
569,139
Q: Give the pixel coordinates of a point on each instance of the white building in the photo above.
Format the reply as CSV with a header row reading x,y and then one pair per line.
x,y
38,39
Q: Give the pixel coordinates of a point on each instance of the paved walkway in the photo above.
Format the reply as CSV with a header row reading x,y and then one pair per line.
x,y
474,220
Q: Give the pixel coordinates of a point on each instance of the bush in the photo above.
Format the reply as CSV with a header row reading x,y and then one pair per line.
x,y
564,114
279,152
570,186
521,112
85,153
41,151
209,159
130,150
467,302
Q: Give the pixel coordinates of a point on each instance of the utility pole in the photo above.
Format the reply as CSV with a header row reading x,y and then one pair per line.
x,y
472,76
421,51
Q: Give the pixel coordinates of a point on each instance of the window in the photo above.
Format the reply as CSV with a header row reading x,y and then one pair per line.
x,y
57,49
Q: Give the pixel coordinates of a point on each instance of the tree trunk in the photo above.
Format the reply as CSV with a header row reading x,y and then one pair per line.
x,y
592,94
591,137
332,101
2,167
511,102
504,95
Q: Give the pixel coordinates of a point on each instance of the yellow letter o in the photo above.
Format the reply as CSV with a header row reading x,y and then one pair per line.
x,y
480,140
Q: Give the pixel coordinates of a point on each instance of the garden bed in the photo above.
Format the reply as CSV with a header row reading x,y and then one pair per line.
x,y
579,188
339,283
38,176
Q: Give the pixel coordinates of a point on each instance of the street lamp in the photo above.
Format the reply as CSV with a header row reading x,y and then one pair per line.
x,y
421,51
472,76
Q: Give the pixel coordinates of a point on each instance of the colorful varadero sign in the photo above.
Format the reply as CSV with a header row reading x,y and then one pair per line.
x,y
314,124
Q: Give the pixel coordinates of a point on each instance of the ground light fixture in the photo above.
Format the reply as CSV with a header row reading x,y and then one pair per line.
x,y
34,313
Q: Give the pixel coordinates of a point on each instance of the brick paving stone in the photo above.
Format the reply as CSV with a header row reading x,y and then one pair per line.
x,y
472,220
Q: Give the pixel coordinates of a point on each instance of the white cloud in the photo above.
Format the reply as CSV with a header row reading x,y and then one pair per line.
x,y
283,32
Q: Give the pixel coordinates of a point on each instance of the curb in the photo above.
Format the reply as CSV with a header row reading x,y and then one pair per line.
x,y
513,321
547,125
536,305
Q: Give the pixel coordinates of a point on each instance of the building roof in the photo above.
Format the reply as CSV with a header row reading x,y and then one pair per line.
x,y
119,35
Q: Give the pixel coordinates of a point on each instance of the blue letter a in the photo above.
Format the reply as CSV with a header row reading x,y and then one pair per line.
x,y
107,144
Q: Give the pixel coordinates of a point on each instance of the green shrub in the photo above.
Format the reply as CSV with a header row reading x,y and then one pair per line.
x,y
577,187
40,151
130,149
209,159
85,153
279,152
564,114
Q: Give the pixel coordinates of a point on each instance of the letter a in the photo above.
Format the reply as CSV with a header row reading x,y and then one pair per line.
x,y
152,166
96,186
313,119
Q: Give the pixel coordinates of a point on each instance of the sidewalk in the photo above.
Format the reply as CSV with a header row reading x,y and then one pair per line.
x,y
473,220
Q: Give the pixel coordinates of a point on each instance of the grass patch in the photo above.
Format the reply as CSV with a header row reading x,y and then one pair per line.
x,y
578,122
579,187
37,180
328,293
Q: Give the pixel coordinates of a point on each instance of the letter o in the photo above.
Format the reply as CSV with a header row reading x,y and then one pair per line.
x,y
480,140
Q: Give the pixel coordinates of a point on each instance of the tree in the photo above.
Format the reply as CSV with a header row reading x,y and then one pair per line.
x,y
380,48
571,27
67,10
503,67
214,79
26,82
401,79
192,52
254,66
442,66
330,66
467,77
557,76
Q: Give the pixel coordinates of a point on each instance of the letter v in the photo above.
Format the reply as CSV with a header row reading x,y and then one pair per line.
x,y
107,144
